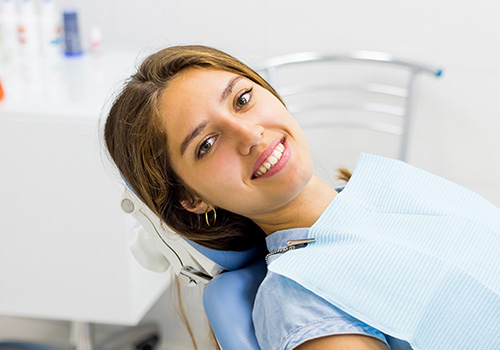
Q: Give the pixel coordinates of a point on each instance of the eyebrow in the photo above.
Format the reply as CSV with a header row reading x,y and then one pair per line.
x,y
192,135
229,87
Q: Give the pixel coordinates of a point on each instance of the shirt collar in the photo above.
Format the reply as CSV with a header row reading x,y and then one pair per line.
x,y
277,240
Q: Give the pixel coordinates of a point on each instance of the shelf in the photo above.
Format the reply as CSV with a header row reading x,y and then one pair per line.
x,y
62,88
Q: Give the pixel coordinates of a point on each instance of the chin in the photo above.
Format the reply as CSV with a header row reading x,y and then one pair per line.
x,y
300,179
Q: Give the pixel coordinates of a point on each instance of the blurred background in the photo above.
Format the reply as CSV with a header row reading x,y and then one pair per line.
x,y
56,94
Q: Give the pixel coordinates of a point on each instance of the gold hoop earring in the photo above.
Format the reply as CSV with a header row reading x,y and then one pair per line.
x,y
206,217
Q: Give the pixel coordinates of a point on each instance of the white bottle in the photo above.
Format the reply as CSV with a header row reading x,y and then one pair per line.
x,y
51,28
95,40
28,29
8,27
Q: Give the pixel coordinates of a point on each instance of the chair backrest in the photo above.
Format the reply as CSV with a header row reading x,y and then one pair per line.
x,y
332,94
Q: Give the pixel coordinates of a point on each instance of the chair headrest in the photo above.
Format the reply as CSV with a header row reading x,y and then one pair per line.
x,y
228,259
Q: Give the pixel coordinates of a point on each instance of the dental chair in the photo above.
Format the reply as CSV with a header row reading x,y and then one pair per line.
x,y
231,278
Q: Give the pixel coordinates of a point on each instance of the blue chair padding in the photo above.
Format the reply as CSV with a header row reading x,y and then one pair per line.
x,y
230,260
228,300
18,345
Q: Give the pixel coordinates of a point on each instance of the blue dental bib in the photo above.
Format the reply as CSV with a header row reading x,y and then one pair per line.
x,y
409,253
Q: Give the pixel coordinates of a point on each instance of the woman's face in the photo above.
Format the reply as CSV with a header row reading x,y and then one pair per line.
x,y
233,142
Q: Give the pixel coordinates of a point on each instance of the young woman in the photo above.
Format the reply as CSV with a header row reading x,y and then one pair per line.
x,y
210,147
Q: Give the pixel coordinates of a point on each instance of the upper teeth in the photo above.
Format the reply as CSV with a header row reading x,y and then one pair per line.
x,y
271,160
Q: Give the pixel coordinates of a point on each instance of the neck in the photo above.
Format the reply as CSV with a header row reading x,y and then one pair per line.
x,y
303,211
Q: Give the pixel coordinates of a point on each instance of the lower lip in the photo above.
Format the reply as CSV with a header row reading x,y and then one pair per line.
x,y
280,165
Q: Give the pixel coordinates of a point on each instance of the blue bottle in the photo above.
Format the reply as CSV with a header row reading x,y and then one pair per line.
x,y
72,42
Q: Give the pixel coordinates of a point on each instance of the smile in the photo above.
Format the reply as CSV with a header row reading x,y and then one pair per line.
x,y
270,161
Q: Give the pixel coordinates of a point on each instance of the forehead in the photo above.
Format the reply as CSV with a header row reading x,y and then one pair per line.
x,y
193,79
191,85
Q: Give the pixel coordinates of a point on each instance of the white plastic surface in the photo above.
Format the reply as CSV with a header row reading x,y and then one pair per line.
x,y
142,246
180,254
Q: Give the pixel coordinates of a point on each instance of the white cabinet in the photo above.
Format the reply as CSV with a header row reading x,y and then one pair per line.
x,y
63,236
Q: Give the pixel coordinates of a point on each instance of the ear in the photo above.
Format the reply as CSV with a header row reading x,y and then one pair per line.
x,y
196,206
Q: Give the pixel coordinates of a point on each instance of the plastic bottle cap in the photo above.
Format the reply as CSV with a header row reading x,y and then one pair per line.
x,y
1,92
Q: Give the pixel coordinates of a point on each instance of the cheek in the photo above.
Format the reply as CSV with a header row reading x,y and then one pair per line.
x,y
219,174
224,169
224,185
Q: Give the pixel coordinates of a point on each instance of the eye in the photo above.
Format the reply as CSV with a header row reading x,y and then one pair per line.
x,y
243,99
205,146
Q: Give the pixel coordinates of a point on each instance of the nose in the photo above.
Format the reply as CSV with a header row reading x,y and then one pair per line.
x,y
246,134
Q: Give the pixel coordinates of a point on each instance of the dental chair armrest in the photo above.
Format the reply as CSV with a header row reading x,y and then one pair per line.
x,y
228,300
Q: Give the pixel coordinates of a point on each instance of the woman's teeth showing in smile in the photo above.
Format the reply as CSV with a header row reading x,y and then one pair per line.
x,y
271,161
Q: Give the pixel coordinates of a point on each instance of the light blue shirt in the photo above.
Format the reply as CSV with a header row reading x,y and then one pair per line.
x,y
286,314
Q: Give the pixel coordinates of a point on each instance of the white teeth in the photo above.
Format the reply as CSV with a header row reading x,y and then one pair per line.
x,y
271,160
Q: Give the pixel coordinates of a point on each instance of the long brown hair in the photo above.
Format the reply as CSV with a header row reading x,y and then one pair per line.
x,y
138,146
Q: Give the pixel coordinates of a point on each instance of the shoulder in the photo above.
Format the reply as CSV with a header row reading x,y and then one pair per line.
x,y
286,315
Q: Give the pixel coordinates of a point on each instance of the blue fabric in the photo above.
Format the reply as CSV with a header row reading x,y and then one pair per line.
x,y
408,253
286,315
